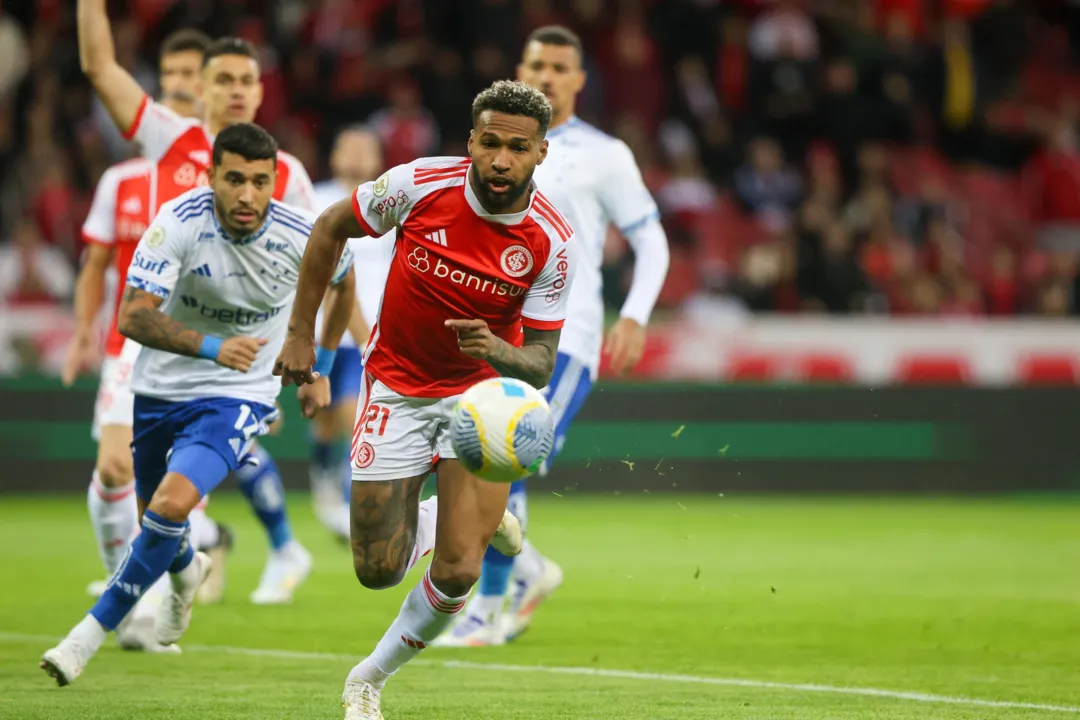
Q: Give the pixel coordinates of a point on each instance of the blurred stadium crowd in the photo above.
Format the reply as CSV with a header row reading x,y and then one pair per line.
x,y
842,156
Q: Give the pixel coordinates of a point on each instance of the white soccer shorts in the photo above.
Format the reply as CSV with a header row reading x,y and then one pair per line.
x,y
398,437
115,401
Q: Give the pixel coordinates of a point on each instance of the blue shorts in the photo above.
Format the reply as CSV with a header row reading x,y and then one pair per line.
x,y
222,430
570,385
345,375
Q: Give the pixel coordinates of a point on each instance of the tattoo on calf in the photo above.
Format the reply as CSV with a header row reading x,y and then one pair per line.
x,y
384,517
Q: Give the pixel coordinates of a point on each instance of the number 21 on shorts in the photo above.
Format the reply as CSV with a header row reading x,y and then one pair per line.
x,y
372,423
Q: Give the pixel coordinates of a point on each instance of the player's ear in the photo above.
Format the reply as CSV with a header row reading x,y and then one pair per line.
x,y
582,77
543,151
520,68
468,145
258,94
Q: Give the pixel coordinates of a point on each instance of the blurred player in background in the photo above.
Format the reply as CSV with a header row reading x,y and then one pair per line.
x,y
208,296
357,158
230,92
120,213
472,294
592,178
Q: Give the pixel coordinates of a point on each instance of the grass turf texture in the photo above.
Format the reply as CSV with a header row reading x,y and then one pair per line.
x,y
959,598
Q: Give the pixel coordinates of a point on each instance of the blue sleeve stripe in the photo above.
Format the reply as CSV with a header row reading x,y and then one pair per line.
x,y
192,200
304,230
147,286
651,217
289,215
195,211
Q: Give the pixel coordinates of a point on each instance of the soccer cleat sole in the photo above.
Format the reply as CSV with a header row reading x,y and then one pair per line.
x,y
53,670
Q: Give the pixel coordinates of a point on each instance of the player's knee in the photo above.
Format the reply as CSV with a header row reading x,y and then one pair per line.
x,y
114,470
171,506
378,575
455,577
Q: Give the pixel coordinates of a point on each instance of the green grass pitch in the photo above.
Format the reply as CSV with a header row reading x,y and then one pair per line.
x,y
688,608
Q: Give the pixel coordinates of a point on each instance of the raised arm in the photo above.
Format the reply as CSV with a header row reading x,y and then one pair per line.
x,y
122,96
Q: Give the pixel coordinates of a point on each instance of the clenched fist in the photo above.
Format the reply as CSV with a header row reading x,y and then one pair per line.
x,y
238,353
296,361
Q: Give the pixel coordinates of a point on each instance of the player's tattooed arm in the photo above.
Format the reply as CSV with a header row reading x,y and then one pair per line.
x,y
118,90
533,362
141,320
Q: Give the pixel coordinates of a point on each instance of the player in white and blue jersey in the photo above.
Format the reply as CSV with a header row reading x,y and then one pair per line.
x,y
593,180
357,158
209,294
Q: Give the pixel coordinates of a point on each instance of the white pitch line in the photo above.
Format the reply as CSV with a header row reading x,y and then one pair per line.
x,y
611,674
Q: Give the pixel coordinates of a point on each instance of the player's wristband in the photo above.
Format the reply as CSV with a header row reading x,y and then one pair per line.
x,y
324,360
210,347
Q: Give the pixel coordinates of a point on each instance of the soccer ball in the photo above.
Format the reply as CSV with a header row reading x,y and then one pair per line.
x,y
502,430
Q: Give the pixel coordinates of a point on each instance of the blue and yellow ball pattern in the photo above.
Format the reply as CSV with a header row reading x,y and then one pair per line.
x,y
502,430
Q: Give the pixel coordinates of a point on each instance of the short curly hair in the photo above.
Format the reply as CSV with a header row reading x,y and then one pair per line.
x,y
513,97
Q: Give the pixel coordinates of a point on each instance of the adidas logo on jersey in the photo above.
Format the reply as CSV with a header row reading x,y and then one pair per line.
x,y
438,237
202,271
131,206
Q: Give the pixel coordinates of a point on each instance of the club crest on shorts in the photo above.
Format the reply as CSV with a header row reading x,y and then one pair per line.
x,y
381,185
516,260
365,455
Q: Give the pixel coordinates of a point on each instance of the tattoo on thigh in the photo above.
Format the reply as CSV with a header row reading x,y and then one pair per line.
x,y
384,516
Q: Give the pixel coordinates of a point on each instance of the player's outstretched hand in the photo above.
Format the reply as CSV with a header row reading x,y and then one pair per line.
x,y
296,361
475,339
625,344
314,397
81,354
238,353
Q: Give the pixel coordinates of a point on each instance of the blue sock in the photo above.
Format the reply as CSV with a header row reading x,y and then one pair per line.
x,y
495,572
162,545
261,485
333,457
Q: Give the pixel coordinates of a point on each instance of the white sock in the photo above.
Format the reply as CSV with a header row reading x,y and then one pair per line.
x,y
424,615
425,530
487,607
89,633
529,565
204,531
114,515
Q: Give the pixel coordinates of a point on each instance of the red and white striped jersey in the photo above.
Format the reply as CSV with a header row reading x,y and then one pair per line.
x,y
181,148
454,260
119,215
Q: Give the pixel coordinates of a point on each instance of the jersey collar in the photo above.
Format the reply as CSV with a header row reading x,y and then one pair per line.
x,y
502,219
247,239
557,131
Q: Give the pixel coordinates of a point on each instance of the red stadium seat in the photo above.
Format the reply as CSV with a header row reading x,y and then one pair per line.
x,y
824,369
753,367
933,370
1056,370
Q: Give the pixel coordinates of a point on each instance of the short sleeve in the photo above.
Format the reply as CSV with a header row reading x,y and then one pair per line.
x,y
382,205
159,255
100,224
545,302
345,263
156,128
299,191
625,198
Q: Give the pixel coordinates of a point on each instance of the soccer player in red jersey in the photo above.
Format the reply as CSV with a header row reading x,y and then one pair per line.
x,y
476,289
229,89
